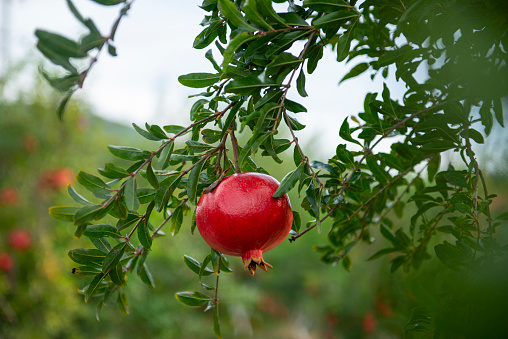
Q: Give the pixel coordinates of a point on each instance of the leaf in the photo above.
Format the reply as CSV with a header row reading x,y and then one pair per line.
x,y
199,80
248,85
63,212
229,10
334,18
167,188
87,214
146,276
145,134
93,184
122,302
326,6
229,53
128,153
253,15
60,45
282,60
113,257
193,180
102,244
382,252
117,275
112,171
344,43
266,9
356,71
176,220
85,271
165,156
315,54
102,230
130,196
300,84
192,298
94,286
289,181
285,42
109,2
345,133
297,222
195,266
150,176
433,167
144,235
88,257
498,110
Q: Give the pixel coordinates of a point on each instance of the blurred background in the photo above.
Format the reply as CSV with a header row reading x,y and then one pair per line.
x,y
39,156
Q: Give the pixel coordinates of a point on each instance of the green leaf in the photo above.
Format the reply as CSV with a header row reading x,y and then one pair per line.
x,y
192,298
112,171
231,12
63,212
433,167
129,153
356,71
253,15
165,156
85,271
498,110
334,18
314,54
199,80
289,181
77,197
102,244
229,53
282,60
122,302
156,131
345,133
146,276
174,129
150,176
101,230
88,257
326,6
382,252
300,84
176,220
195,266
94,286
145,134
167,187
93,184
113,257
193,180
285,42
144,235
297,222
129,192
344,43
87,214
117,275
60,45
248,85
109,2
266,9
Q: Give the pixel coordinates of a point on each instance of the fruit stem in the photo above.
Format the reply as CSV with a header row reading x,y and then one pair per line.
x,y
234,142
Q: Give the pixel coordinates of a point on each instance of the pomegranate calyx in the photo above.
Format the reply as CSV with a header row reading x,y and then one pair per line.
x,y
254,258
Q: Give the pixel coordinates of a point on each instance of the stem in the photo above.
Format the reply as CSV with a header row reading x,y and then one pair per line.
x,y
234,142
217,284
111,37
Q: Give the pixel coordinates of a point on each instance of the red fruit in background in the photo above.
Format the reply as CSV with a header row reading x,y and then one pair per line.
x,y
31,143
6,262
20,239
9,196
57,178
369,323
241,218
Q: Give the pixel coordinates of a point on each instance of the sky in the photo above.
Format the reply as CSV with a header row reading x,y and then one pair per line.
x,y
154,46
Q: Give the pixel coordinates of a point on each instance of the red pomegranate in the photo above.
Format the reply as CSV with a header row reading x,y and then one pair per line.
x,y
6,262
20,239
241,218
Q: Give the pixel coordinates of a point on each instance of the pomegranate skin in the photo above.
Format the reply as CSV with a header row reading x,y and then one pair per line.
x,y
241,218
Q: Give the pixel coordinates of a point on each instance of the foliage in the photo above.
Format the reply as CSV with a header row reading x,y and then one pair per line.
x,y
265,51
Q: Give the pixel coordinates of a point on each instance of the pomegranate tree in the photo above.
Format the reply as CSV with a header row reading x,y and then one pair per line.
x,y
241,218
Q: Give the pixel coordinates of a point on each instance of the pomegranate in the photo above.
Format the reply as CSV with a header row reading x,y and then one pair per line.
x,y
6,262
20,239
241,218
